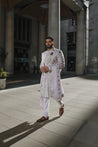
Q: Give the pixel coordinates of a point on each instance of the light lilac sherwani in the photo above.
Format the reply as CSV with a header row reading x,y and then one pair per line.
x,y
50,85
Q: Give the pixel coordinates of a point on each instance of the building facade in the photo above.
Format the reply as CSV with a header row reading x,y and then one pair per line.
x,y
93,37
24,24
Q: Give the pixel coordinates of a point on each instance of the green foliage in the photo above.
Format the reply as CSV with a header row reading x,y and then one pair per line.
x,y
3,74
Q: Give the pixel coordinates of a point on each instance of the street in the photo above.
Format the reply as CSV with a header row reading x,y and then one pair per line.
x,y
78,127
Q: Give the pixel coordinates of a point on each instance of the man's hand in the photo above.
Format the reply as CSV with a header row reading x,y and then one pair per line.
x,y
45,69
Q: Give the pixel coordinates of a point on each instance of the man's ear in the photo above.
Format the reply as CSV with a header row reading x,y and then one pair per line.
x,y
53,43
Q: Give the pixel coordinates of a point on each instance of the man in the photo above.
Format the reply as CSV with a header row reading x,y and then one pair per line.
x,y
51,65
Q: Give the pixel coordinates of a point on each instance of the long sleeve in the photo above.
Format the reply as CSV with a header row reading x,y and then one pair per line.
x,y
42,63
50,67
61,59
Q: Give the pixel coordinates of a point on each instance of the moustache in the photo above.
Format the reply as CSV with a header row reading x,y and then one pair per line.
x,y
49,46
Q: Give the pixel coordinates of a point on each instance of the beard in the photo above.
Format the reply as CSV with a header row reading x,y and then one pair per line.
x,y
48,47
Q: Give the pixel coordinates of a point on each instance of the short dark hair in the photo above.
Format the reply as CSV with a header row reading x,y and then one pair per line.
x,y
49,37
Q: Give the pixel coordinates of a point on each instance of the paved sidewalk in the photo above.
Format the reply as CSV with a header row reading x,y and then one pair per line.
x,y
78,127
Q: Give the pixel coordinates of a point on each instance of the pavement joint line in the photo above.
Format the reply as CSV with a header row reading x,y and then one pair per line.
x,y
13,89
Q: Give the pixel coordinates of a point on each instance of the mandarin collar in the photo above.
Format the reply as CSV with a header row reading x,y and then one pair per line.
x,y
51,49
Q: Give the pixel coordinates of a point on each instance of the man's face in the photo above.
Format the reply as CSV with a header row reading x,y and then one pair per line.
x,y
49,43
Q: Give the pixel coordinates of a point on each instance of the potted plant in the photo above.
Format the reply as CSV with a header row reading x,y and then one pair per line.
x,y
3,76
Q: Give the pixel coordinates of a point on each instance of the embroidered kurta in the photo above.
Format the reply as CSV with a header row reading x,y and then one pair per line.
x,y
50,84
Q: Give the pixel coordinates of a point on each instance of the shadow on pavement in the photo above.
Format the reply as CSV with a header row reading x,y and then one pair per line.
x,y
21,131
87,135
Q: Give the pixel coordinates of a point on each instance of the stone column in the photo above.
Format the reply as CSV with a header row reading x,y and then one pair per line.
x,y
54,21
80,43
10,42
93,38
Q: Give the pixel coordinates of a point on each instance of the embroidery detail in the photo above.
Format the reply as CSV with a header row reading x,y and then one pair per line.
x,y
51,53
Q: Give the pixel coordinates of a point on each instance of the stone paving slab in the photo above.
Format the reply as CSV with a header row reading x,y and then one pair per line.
x,y
19,110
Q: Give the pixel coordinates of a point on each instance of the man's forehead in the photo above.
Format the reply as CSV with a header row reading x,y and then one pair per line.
x,y
48,40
